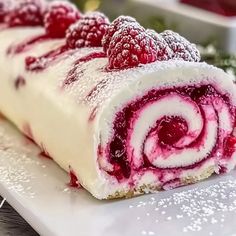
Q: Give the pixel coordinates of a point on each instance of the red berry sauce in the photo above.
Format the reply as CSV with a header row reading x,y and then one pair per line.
x,y
27,44
93,114
72,76
96,89
74,183
171,129
229,146
37,64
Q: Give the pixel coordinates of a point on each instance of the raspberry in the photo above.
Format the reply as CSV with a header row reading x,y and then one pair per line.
x,y
59,17
26,13
130,46
164,52
5,6
181,47
113,27
88,31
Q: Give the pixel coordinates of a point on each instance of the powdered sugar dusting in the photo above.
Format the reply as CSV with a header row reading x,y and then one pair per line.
x,y
181,47
96,85
207,210
12,147
20,165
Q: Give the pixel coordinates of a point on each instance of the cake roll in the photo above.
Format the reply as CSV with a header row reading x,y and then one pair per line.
x,y
123,109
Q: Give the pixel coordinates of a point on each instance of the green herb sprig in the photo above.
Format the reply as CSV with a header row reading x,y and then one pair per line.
x,y
220,59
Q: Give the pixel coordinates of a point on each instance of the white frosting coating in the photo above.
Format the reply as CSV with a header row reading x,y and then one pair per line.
x,y
59,118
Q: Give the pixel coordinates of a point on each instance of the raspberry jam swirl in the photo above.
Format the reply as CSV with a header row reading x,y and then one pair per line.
x,y
171,131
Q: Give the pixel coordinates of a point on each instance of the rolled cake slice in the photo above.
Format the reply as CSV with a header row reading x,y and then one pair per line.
x,y
125,132
120,131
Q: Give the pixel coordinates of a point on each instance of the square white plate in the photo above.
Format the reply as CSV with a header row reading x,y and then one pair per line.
x,y
36,188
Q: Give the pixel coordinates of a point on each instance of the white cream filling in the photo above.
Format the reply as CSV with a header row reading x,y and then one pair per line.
x,y
185,156
172,105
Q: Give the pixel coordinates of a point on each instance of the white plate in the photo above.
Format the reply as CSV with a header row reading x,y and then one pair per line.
x,y
37,189
194,23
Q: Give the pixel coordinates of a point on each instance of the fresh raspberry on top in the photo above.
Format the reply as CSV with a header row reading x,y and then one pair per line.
x,y
88,31
5,6
59,16
181,47
164,52
113,27
131,46
26,13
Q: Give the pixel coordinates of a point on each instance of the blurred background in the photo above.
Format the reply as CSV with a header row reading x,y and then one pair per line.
x,y
114,8
211,24
202,21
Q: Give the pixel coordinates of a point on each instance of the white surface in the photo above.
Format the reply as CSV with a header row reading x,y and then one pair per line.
x,y
36,188
196,24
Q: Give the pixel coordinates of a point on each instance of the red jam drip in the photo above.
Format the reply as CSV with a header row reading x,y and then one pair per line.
x,y
99,150
221,7
27,44
74,183
72,75
117,147
96,89
37,64
19,82
44,153
93,114
91,56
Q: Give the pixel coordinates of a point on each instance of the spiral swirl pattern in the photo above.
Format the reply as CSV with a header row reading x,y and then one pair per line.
x,y
173,130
